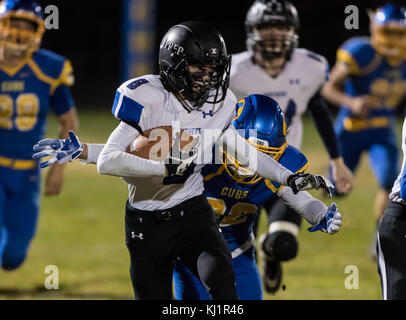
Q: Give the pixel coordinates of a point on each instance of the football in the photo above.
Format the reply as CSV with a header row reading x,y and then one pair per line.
x,y
155,143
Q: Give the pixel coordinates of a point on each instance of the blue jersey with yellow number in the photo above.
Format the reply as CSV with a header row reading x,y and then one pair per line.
x,y
237,204
27,93
374,75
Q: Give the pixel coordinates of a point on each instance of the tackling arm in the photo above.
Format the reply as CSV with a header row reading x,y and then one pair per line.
x,y
326,219
303,203
266,166
251,158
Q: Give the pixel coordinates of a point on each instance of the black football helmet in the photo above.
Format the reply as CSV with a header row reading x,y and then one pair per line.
x,y
264,13
199,45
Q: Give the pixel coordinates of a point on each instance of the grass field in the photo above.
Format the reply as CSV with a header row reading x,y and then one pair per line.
x,y
81,232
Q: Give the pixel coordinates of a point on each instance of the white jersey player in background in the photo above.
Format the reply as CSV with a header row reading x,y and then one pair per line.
x,y
174,219
273,66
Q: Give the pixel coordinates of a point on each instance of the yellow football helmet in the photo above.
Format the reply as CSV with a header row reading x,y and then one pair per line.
x,y
388,31
17,36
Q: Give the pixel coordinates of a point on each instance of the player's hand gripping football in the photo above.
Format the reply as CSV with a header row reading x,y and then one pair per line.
x,y
61,150
306,181
180,164
331,221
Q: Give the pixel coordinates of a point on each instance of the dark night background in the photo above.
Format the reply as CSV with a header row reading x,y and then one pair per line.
x,y
90,34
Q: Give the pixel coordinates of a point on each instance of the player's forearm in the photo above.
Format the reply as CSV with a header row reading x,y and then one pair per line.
x,y
91,152
335,95
122,164
304,204
113,160
253,159
68,121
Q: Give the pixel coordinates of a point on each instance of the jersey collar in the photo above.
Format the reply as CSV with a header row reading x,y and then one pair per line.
x,y
11,71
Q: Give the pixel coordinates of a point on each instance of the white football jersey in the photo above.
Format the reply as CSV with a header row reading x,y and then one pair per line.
x,y
395,194
302,76
144,101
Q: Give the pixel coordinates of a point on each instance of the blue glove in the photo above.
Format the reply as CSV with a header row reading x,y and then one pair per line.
x,y
61,150
331,221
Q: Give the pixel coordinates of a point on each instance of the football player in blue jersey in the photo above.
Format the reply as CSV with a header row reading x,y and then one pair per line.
x,y
236,195
33,82
368,82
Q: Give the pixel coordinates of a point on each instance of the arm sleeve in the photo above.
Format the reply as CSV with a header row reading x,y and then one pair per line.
x,y
251,158
113,160
322,120
93,152
303,203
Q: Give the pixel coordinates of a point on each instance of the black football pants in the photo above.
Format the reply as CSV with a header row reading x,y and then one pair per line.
x,y
391,249
155,239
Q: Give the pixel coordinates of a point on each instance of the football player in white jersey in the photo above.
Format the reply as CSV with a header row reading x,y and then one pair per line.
x,y
274,66
173,218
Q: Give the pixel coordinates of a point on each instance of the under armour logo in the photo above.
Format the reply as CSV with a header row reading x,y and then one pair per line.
x,y
210,113
139,236
213,50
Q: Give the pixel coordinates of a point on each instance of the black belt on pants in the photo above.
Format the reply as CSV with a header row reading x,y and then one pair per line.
x,y
165,214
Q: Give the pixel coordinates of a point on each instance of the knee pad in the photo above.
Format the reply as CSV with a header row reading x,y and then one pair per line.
x,y
280,245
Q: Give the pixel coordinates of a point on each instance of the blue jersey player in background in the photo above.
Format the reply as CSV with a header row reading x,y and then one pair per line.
x,y
236,195
33,82
369,83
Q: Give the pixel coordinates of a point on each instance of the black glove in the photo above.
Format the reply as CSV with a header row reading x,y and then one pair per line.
x,y
177,178
306,181
180,164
